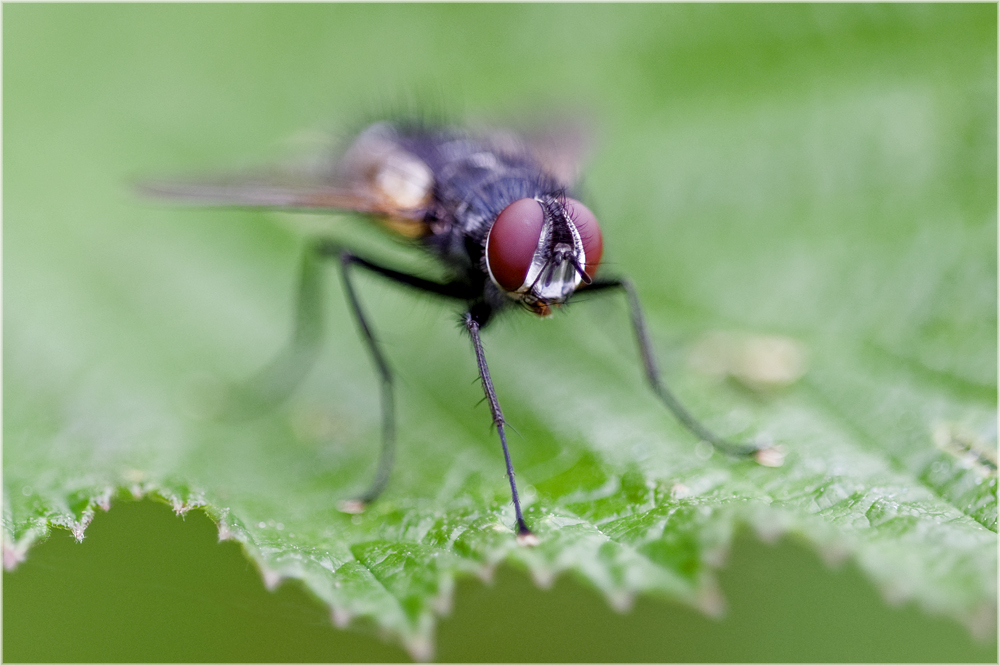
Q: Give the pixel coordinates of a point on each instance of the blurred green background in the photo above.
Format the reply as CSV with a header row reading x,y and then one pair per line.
x,y
96,95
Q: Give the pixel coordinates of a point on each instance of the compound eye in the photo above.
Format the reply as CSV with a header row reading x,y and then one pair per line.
x,y
512,241
590,233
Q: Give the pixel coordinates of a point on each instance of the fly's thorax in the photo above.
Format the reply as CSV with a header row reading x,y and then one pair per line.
x,y
540,250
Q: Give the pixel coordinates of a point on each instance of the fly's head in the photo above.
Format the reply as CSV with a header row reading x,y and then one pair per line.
x,y
540,250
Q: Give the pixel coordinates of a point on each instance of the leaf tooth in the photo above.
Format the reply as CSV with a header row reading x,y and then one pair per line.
x,y
710,600
271,578
13,554
341,617
420,647
621,600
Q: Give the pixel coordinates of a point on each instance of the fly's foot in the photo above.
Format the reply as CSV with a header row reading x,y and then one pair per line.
x,y
352,506
770,456
526,537
764,452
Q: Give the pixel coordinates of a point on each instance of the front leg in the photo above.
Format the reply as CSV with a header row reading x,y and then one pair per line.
x,y
765,455
348,261
524,535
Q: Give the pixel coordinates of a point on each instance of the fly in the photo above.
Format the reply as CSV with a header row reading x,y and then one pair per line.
x,y
495,209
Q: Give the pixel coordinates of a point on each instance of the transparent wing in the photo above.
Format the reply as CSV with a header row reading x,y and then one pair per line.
x,y
375,176
260,191
561,148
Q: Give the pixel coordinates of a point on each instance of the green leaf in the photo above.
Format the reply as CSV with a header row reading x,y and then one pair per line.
x,y
822,175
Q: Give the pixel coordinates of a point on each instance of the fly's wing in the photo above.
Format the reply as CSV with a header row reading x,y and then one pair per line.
x,y
375,176
561,149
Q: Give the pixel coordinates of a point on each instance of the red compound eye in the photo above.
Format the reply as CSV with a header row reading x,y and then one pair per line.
x,y
590,234
512,242
513,239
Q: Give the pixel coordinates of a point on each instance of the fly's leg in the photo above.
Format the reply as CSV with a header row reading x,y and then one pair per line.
x,y
387,454
348,260
455,290
524,535
276,381
766,455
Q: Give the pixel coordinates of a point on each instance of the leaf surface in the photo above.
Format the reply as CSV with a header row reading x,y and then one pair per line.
x,y
835,188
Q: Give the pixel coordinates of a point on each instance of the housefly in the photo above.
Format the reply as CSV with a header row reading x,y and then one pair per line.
x,y
498,213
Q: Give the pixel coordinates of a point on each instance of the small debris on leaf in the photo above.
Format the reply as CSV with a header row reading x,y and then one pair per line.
x,y
762,363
